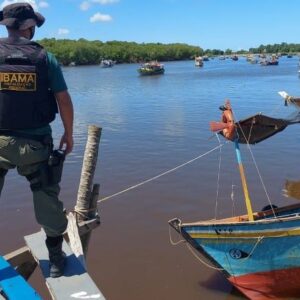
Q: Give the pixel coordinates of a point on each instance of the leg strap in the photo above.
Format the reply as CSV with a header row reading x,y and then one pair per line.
x,y
35,180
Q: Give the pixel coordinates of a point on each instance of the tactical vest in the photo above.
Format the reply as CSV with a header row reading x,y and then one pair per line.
x,y
25,99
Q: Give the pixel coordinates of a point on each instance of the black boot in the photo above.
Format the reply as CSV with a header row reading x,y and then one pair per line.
x,y
56,256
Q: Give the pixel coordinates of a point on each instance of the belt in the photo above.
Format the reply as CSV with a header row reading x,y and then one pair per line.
x,y
45,139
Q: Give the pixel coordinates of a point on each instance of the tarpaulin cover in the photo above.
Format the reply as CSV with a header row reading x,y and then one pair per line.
x,y
260,127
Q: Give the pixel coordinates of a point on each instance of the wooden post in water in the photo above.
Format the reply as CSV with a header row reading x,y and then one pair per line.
x,y
86,205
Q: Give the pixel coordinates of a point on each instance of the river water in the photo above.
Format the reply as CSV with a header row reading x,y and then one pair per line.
x,y
151,125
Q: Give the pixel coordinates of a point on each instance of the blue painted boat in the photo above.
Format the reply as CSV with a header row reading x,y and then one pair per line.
x,y
13,285
259,253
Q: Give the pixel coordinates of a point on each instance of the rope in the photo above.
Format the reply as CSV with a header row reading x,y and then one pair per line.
x,y
171,240
192,251
201,260
159,175
232,199
259,239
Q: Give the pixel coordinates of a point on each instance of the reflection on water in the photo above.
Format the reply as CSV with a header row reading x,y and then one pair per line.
x,y
292,189
150,125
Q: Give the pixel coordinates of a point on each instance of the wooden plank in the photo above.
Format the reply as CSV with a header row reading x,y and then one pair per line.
x,y
76,282
74,238
19,256
23,261
14,286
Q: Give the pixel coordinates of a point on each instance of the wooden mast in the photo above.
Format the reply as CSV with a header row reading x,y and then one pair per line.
x,y
228,128
244,181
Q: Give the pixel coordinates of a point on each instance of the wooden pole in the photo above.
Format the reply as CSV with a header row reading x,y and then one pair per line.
x,y
88,170
85,238
244,181
86,205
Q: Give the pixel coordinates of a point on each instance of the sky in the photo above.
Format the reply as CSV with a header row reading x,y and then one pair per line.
x,y
209,24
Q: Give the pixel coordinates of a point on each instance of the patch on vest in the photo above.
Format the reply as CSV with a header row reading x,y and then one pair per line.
x,y
21,82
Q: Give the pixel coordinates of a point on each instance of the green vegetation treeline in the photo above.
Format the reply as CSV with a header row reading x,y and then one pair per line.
x,y
84,52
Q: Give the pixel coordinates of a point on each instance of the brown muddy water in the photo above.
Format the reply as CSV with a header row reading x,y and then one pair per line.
x,y
151,125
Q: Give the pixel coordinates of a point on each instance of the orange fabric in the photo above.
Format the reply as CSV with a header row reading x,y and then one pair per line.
x,y
227,118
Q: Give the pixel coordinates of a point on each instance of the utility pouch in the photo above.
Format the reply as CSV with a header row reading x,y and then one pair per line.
x,y
55,166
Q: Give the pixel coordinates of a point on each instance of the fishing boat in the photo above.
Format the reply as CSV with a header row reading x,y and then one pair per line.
x,y
107,63
270,62
259,252
151,68
199,61
234,57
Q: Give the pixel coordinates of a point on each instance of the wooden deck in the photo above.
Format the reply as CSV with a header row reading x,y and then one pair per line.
x,y
76,282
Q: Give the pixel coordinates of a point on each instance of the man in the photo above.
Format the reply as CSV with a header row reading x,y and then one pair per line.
x,y
31,88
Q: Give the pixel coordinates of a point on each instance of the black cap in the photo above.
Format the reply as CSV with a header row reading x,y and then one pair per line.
x,y
20,16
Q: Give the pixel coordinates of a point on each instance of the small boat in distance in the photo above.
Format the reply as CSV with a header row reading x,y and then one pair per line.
x,y
259,252
269,62
107,63
151,68
199,61
234,57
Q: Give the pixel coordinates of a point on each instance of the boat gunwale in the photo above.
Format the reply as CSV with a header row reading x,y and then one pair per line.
x,y
259,217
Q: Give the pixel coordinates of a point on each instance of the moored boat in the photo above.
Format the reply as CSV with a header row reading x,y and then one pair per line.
x,y
107,63
273,61
259,253
151,68
199,61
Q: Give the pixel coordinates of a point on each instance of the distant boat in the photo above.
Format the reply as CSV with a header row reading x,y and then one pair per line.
x,y
199,61
252,59
269,62
107,63
222,57
151,68
205,58
234,57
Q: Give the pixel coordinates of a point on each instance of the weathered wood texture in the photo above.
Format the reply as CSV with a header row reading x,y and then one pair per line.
x,y
22,261
76,282
88,194
74,238
88,169
93,215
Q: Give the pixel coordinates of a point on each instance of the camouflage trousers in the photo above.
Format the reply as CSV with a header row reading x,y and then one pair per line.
x,y
28,156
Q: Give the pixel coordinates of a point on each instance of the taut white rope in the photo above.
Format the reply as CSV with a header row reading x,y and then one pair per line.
x,y
160,175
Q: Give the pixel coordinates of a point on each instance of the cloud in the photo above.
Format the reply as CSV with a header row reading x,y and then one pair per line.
x,y
98,17
85,5
31,2
103,2
63,31
43,4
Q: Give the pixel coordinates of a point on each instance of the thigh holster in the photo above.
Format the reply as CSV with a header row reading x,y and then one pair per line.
x,y
39,178
49,172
